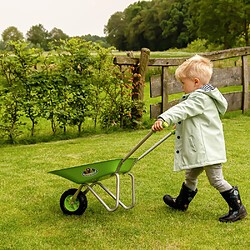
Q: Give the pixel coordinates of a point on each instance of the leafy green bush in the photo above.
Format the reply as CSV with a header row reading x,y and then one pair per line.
x,y
77,80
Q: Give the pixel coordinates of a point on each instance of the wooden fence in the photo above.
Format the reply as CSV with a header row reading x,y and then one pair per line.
x,y
165,83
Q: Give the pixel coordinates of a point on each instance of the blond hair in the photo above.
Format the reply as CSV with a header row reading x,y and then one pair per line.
x,y
195,67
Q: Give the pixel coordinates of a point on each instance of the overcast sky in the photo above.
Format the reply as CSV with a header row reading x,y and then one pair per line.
x,y
73,17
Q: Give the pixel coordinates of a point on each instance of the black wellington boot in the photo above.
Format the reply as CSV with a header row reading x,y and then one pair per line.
x,y
236,209
183,199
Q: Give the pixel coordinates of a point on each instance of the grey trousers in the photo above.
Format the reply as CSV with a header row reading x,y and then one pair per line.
x,y
214,175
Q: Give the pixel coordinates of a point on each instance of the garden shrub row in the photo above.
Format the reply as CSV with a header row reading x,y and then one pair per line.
x,y
75,81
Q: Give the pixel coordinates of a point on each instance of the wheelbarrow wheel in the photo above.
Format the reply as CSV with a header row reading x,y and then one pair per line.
x,y
78,207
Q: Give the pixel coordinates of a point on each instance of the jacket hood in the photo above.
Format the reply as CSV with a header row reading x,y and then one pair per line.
x,y
219,100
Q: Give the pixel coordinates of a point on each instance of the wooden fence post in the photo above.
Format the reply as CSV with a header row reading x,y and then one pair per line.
x,y
245,82
165,72
138,83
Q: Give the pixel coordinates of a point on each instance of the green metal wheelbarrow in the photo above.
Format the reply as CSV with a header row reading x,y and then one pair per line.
x,y
74,201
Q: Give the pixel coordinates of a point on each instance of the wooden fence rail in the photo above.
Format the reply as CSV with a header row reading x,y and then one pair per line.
x,y
165,83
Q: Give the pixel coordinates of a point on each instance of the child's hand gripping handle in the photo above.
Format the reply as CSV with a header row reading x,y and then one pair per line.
x,y
160,125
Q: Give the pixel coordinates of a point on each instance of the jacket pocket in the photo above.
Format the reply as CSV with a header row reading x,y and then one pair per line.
x,y
192,144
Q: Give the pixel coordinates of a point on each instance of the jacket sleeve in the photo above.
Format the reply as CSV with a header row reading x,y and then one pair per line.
x,y
194,105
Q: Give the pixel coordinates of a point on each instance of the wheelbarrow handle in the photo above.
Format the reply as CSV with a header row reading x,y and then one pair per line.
x,y
133,150
156,145
140,143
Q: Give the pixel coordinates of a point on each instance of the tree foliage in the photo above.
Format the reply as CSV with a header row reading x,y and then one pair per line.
x,y
175,26
10,95
158,25
115,31
163,24
96,39
12,34
221,21
38,35
56,35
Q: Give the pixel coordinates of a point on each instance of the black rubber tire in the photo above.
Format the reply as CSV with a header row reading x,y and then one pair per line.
x,y
79,206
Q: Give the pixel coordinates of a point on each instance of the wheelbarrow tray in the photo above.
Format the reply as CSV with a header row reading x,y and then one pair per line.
x,y
93,172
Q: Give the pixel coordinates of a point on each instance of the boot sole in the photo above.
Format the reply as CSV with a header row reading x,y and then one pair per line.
x,y
241,216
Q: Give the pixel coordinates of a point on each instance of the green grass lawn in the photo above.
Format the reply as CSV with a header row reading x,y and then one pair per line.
x,y
31,217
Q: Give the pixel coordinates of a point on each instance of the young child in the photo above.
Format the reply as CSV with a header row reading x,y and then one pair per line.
x,y
199,139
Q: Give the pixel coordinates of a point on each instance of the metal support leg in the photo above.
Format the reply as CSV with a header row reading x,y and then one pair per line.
x,y
115,197
133,193
87,189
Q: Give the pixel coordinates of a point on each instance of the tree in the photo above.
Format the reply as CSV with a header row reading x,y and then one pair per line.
x,y
152,30
96,39
67,101
175,25
56,35
144,24
26,61
38,36
135,34
220,21
158,25
246,20
162,24
12,34
17,69
135,25
115,31
10,96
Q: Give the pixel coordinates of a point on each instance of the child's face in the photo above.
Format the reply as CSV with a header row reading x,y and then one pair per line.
x,y
189,85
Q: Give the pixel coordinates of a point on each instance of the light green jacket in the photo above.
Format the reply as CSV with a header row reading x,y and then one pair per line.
x,y
199,139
